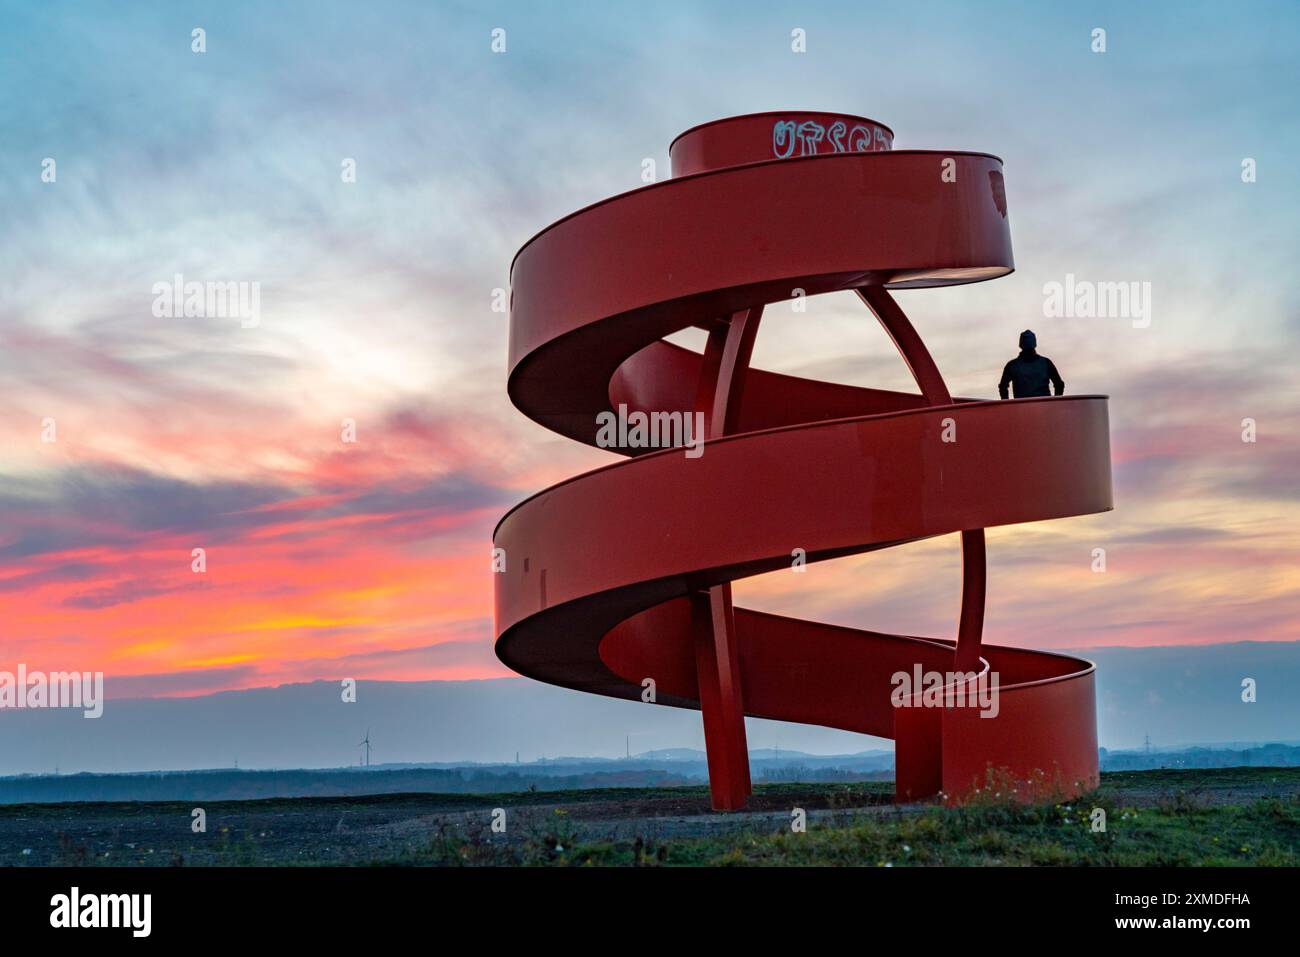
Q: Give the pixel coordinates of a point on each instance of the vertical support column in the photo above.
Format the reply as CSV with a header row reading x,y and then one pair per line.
x,y
924,737
717,658
717,668
970,626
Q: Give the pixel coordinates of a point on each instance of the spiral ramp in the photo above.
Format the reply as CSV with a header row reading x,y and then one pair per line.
x,y
619,580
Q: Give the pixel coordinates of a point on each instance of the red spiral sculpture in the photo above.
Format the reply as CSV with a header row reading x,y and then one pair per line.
x,y
619,580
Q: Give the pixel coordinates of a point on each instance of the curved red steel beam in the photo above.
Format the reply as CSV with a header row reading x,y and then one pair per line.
x,y
623,574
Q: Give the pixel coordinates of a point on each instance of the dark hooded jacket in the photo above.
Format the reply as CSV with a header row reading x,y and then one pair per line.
x,y
1028,374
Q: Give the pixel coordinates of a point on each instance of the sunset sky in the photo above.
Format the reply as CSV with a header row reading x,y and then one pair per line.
x,y
371,559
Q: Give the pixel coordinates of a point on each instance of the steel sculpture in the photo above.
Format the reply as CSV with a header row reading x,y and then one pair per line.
x,y
618,581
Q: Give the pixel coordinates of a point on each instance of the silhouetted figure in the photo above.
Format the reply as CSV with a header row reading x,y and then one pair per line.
x,y
1029,373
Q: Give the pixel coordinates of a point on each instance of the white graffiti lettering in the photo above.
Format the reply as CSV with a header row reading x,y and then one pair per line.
x,y
808,136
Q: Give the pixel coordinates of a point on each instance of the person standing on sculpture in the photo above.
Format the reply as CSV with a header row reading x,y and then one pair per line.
x,y
1028,374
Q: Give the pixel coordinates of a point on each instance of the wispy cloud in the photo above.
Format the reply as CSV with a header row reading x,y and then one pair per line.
x,y
326,557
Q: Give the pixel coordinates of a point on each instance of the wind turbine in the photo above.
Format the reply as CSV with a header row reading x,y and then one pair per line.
x,y
366,744
627,743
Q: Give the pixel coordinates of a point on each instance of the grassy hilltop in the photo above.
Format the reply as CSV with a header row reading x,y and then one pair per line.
x,y
1208,817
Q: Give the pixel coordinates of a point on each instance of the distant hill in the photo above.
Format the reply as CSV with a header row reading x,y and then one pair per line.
x,y
1259,756
686,767
672,768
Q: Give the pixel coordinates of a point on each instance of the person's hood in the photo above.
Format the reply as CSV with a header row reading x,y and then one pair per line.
x,y
1028,341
